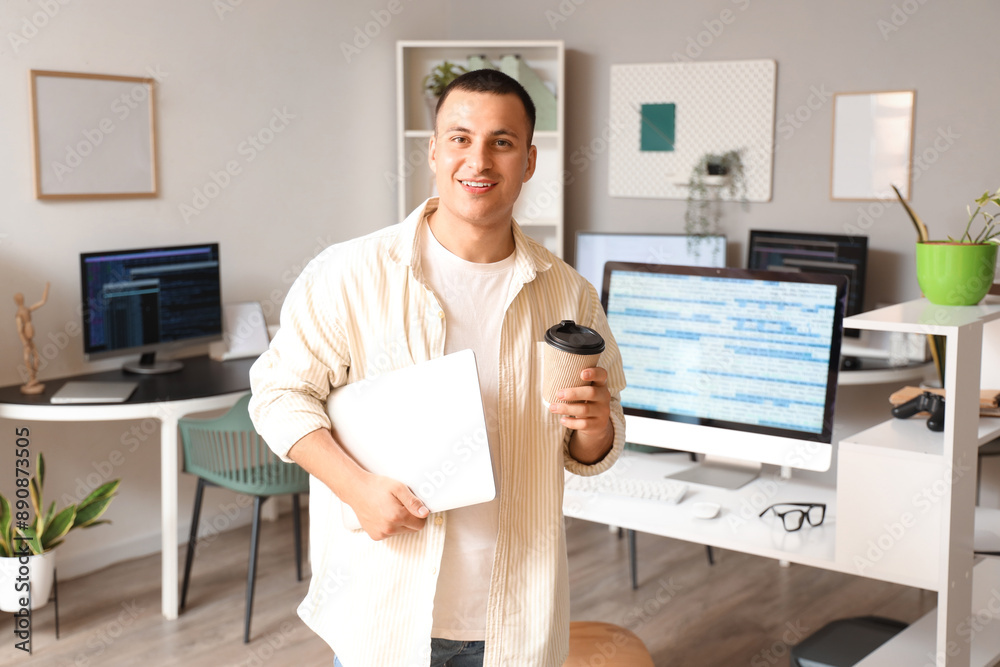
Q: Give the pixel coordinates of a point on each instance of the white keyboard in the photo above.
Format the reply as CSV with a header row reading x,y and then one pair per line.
x,y
663,490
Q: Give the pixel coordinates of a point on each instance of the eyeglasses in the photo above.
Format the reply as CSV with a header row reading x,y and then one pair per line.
x,y
798,513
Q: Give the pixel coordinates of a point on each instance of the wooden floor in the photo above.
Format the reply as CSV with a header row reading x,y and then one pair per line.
x,y
743,610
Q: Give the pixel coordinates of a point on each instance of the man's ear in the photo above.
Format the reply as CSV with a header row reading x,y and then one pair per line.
x,y
431,156
532,155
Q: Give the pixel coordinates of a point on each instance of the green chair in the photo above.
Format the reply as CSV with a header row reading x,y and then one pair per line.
x,y
228,452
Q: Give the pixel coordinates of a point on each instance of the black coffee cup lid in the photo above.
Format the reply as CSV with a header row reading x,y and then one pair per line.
x,y
571,337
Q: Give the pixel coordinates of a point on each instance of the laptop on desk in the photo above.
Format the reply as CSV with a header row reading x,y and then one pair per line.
x,y
423,425
82,392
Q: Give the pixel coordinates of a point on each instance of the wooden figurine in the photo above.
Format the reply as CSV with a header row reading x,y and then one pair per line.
x,y
27,333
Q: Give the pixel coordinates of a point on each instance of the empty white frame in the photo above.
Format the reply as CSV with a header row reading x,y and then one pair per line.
x,y
872,144
94,135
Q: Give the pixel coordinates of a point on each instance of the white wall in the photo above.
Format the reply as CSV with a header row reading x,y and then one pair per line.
x,y
323,179
220,76
943,50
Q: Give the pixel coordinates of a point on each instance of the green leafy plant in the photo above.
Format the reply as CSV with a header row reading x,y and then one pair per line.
x,y
440,76
990,229
47,530
714,175
988,233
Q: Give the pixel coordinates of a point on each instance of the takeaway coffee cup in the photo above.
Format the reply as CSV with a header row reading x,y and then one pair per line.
x,y
569,349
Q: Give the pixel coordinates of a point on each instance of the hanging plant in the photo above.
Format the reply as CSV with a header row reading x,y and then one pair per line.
x,y
714,175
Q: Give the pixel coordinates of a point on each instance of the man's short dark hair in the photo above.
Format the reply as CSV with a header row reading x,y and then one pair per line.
x,y
490,81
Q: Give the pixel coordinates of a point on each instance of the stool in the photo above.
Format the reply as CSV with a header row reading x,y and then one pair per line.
x,y
845,642
616,645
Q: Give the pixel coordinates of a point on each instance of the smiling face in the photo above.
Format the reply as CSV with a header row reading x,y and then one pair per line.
x,y
481,154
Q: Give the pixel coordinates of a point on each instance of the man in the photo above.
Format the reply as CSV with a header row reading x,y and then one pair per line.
x,y
482,585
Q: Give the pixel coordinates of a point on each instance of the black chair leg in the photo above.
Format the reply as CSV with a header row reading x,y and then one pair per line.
x,y
710,554
55,595
252,569
192,540
298,536
633,561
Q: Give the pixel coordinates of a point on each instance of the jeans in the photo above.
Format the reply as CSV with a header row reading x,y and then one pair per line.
x,y
448,653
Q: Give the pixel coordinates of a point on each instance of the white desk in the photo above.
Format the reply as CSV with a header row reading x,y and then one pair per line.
x,y
897,472
201,386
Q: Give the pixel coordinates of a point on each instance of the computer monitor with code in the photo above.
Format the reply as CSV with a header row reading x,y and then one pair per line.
x,y
815,253
150,300
730,363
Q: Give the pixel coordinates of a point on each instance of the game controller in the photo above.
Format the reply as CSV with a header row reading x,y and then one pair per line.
x,y
925,402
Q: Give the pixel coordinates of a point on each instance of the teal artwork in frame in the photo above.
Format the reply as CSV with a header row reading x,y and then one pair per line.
x,y
657,127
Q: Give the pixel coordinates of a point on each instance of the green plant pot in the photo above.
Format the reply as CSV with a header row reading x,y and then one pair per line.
x,y
955,274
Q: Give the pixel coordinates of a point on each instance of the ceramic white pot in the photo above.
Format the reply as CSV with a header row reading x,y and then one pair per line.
x,y
40,571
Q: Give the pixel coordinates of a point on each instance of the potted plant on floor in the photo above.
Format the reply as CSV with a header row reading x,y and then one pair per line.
x,y
959,272
713,176
32,544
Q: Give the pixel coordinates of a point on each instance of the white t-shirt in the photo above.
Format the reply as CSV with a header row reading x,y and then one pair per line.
x,y
473,297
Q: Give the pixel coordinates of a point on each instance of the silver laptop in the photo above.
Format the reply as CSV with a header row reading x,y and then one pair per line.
x,y
423,425
93,392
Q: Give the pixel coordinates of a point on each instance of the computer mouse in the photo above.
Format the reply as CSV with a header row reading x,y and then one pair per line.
x,y
705,510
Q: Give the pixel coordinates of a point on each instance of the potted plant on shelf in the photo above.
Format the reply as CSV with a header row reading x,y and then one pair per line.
x,y
713,176
437,80
959,272
35,541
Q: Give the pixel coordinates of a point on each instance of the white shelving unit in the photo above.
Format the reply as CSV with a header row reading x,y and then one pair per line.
x,y
906,496
539,210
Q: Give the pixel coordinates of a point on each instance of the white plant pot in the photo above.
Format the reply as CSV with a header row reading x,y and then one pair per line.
x,y
40,572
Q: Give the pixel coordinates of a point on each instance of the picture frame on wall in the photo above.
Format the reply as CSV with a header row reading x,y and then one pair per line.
x,y
872,145
93,135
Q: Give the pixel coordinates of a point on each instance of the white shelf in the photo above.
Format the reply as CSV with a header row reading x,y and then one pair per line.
x,y
905,506
911,436
922,316
912,373
737,527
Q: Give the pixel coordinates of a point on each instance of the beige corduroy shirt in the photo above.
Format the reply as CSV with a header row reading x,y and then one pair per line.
x,y
361,308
